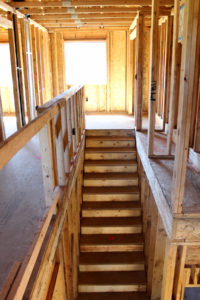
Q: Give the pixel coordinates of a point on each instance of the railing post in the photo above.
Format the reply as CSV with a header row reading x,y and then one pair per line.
x,y
46,154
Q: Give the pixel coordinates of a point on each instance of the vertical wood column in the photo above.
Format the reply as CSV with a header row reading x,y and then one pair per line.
x,y
54,62
39,65
185,102
153,75
138,71
14,77
61,59
35,65
159,255
169,270
174,76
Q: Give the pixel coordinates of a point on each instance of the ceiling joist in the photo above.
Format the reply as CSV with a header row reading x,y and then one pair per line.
x,y
80,3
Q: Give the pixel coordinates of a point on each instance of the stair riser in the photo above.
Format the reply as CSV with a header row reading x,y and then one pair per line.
x,y
111,248
110,156
111,182
110,169
108,144
111,230
111,288
111,197
112,132
112,213
113,267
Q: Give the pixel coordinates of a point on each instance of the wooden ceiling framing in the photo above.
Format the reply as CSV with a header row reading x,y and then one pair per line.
x,y
87,13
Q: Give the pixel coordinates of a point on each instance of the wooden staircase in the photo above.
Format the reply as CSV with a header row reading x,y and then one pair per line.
x,y
111,244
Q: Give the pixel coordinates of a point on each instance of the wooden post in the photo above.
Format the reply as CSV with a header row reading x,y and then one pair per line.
x,y
153,75
43,71
61,59
14,77
185,102
65,138
47,162
179,272
138,71
174,76
159,255
169,270
35,65
25,67
60,149
39,65
54,61
20,67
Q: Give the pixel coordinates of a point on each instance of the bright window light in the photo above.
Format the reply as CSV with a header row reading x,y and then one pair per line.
x,y
85,62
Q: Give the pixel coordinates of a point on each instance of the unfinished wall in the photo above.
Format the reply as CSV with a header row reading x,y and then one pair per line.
x,y
145,67
116,96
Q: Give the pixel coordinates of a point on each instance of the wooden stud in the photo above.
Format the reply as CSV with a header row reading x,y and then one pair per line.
x,y
174,76
185,103
35,65
153,75
138,71
39,62
25,68
54,61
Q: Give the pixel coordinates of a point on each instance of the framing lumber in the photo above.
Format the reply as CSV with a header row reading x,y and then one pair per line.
x,y
185,103
174,76
153,76
54,61
35,65
83,16
83,3
8,8
138,70
14,77
5,22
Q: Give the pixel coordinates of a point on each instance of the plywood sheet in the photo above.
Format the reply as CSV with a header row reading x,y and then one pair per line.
x,y
96,95
118,70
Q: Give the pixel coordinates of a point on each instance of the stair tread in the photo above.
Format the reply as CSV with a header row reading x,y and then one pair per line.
x,y
113,296
108,162
110,176
110,138
110,132
112,278
111,150
111,258
111,239
111,222
111,190
111,205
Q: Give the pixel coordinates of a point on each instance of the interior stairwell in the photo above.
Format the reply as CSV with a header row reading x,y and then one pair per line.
x,y
112,264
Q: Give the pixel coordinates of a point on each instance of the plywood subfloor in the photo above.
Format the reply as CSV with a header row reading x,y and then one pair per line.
x,y
163,170
21,205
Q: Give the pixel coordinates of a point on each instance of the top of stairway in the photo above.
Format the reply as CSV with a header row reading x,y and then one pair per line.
x,y
110,132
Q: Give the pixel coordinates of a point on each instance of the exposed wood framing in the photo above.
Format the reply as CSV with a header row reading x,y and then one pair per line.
x,y
185,105
174,75
138,71
153,75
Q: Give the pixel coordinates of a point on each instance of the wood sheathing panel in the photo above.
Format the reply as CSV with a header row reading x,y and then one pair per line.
x,y
118,70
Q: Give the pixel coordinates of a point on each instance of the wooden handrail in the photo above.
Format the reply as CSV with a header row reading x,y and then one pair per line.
x,y
65,95
18,140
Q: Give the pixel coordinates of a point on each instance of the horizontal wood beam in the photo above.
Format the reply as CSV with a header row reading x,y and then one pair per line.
x,y
4,22
120,26
93,9
99,20
8,8
89,3
85,29
82,16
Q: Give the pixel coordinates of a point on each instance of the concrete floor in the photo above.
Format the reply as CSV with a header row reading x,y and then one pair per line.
x,y
22,198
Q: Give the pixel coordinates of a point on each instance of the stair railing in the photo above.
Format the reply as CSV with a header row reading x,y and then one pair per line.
x,y
61,127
